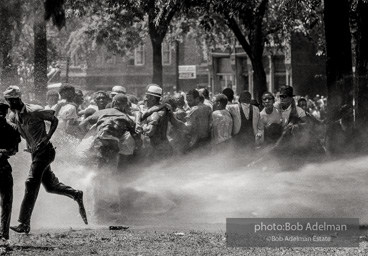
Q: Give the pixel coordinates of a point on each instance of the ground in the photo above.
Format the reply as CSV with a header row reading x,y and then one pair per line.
x,y
189,191
147,241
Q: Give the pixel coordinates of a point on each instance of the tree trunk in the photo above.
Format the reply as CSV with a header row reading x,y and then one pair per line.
x,y
40,54
339,57
259,78
9,71
361,50
157,61
253,45
157,35
177,63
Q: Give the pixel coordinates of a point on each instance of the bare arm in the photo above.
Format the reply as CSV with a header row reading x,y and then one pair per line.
x,y
45,140
54,124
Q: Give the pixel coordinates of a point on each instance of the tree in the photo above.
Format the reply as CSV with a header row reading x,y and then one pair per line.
x,y
121,24
44,10
359,25
254,23
339,57
10,14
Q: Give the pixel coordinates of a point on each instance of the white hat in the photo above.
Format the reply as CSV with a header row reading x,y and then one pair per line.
x,y
117,89
154,90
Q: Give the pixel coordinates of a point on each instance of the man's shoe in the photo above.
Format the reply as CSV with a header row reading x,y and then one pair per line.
x,y
4,243
82,211
21,228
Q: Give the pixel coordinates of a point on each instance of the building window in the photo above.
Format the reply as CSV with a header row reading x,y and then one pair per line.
x,y
166,53
139,55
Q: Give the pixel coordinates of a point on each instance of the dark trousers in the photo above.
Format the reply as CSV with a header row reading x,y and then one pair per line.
x,y
40,172
6,196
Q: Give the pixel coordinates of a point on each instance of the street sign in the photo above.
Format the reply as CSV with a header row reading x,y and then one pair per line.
x,y
187,72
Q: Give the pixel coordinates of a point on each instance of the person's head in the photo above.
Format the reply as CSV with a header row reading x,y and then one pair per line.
x,y
120,101
229,94
245,97
316,98
153,95
170,100
302,103
117,89
132,99
268,100
78,97
205,93
193,98
286,96
13,96
220,102
52,97
201,96
101,99
4,106
67,92
347,113
180,100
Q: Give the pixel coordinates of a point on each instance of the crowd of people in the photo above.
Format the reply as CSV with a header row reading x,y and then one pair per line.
x,y
115,130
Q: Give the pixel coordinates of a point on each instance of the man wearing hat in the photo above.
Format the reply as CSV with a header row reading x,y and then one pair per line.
x,y
30,121
292,115
117,89
8,146
156,124
293,142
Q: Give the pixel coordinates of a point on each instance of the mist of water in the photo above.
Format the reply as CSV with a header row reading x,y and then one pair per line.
x,y
205,189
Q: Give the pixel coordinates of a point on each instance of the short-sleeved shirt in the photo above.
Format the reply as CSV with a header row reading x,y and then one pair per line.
x,y
30,122
10,137
268,119
222,126
67,113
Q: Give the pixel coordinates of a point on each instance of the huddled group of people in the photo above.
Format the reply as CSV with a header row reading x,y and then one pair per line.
x,y
115,130
160,126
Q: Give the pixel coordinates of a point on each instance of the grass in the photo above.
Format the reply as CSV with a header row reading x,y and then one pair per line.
x,y
102,241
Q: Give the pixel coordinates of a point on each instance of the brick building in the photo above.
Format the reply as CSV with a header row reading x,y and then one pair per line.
x,y
187,65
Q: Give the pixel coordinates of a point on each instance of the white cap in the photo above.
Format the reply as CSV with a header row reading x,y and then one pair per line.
x,y
154,90
117,89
